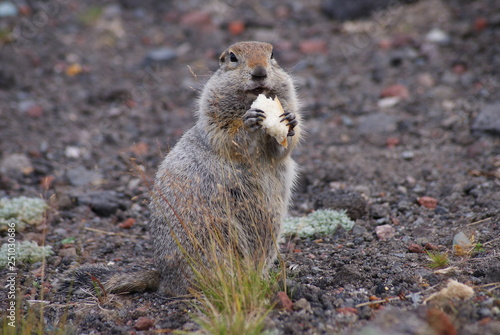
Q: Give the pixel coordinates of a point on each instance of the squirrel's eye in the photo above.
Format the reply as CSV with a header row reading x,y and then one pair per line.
x,y
272,55
232,57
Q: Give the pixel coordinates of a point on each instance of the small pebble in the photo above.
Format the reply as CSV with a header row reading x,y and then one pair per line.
x,y
428,202
413,247
396,90
437,36
302,305
7,8
461,242
159,56
143,323
408,155
385,232
68,252
284,302
16,163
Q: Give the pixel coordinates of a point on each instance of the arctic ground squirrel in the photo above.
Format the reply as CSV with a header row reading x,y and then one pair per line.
x,y
226,185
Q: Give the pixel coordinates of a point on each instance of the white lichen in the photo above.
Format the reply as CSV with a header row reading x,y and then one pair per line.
x,y
21,211
23,252
320,222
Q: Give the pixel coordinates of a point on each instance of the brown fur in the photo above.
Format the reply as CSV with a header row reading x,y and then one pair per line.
x,y
226,184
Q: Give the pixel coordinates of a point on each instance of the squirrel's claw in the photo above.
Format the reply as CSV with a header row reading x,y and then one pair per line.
x,y
291,122
253,119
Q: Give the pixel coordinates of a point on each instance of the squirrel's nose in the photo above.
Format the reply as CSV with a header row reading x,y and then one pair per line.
x,y
259,73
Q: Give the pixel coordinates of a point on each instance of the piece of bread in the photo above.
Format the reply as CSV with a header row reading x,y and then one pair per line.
x,y
272,123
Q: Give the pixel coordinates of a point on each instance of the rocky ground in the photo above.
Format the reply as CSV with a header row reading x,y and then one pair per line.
x,y
402,109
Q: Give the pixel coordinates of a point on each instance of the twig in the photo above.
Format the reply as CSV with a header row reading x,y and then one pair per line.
x,y
374,302
486,285
478,222
110,233
490,241
408,296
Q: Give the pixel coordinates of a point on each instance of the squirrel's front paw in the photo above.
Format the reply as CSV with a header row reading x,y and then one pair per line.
x,y
253,119
291,122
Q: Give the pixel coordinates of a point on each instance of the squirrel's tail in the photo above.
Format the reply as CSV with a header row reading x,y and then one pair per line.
x,y
92,278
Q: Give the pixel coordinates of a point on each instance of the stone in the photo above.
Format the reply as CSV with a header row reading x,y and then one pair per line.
x,y
428,202
7,8
385,232
16,164
302,305
437,36
103,203
488,120
283,301
159,56
80,176
353,202
68,252
416,248
143,323
377,123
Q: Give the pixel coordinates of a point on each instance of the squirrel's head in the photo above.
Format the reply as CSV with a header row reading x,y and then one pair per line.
x,y
252,66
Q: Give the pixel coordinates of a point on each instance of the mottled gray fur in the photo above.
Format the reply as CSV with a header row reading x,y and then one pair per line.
x,y
226,184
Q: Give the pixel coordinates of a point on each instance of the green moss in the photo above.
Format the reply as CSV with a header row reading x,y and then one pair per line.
x,y
21,211
321,222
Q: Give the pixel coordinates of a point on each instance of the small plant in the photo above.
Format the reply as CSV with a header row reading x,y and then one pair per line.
x,y
234,299
438,259
322,221
25,251
478,247
91,15
21,211
68,241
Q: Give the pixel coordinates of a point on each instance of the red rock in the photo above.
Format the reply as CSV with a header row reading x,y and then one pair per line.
x,y
46,182
34,111
396,90
459,67
395,221
236,27
24,10
416,248
143,323
130,103
480,24
385,232
392,142
440,322
315,46
385,43
347,310
284,301
428,202
139,149
196,18
430,246
127,224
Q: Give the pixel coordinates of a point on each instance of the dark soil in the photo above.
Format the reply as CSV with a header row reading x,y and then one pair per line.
x,y
85,86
